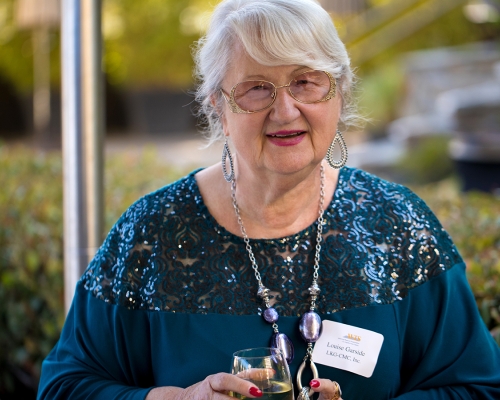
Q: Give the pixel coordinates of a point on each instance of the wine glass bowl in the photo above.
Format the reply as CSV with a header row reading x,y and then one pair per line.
x,y
266,368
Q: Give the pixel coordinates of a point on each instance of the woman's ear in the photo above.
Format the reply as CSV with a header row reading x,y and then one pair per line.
x,y
213,101
217,104
218,109
340,101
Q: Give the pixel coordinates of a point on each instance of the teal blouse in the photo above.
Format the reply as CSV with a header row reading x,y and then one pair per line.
x,y
171,295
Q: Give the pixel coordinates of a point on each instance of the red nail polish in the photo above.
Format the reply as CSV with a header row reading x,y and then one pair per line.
x,y
314,383
255,392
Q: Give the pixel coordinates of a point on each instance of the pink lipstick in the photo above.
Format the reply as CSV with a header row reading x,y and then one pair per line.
x,y
286,138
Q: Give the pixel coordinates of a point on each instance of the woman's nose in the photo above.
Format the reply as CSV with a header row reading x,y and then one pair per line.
x,y
284,108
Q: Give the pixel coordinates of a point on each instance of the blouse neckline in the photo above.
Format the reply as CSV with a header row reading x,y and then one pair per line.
x,y
203,209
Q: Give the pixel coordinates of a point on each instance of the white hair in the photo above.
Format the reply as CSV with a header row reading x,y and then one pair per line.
x,y
272,32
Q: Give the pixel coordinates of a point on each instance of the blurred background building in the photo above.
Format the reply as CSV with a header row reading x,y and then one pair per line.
x,y
147,65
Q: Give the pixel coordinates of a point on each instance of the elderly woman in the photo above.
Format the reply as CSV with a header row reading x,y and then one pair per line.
x,y
273,244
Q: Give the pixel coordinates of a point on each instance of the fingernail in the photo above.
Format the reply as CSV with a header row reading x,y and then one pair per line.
x,y
314,383
255,392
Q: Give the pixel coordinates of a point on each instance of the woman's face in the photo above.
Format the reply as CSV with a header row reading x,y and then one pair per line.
x,y
288,136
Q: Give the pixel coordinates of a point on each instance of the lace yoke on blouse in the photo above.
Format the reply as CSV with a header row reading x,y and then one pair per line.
x,y
168,253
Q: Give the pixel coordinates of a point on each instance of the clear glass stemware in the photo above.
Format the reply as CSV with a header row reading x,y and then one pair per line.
x,y
266,367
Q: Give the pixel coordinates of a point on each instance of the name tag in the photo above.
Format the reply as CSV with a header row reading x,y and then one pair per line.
x,y
349,348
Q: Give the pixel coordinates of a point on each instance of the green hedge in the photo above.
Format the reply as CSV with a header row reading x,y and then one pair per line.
x,y
31,256
31,243
473,221
31,282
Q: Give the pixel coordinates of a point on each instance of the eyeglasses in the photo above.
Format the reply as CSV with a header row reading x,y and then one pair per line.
x,y
253,96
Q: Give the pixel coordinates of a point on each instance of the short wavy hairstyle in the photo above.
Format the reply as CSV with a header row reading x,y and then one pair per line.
x,y
273,32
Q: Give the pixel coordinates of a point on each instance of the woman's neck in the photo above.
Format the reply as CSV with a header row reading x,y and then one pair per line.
x,y
269,207
278,206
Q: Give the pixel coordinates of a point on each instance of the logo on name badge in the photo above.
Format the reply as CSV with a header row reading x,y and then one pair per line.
x,y
353,337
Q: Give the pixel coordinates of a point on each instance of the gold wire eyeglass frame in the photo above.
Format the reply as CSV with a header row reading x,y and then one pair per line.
x,y
233,106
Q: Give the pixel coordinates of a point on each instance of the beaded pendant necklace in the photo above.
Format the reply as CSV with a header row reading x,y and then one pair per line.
x,y
310,323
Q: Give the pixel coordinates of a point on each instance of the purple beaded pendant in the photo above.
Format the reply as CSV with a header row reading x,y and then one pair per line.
x,y
281,341
310,327
270,315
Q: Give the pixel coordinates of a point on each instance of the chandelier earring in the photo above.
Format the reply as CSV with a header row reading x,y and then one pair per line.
x,y
343,152
226,154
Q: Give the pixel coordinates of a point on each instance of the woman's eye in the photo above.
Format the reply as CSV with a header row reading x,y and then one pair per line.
x,y
258,87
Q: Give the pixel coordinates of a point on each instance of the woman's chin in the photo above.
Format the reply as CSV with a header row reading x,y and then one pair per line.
x,y
290,164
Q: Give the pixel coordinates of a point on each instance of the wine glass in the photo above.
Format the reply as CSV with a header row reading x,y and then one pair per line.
x,y
265,367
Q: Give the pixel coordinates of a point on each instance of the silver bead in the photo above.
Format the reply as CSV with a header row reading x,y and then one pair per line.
x,y
314,289
263,292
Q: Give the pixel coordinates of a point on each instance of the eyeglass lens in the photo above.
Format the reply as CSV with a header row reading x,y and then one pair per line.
x,y
309,87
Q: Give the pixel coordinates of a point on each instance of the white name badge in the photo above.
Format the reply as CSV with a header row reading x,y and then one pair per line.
x,y
349,348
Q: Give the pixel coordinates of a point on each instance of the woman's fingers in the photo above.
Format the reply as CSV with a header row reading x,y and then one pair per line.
x,y
224,383
213,387
257,374
327,389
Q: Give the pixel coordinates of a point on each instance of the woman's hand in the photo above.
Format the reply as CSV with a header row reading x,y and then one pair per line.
x,y
327,389
213,387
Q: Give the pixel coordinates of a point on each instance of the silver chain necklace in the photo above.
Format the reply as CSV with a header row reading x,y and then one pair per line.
x,y
310,323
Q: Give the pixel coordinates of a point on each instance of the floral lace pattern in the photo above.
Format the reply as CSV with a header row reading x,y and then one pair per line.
x,y
168,253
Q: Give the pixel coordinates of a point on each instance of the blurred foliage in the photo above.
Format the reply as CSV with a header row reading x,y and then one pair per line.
x,y
426,160
451,29
380,90
31,260
382,81
16,51
473,221
148,43
31,239
129,176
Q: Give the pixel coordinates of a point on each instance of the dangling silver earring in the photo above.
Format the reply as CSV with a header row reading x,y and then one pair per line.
x,y
227,154
343,152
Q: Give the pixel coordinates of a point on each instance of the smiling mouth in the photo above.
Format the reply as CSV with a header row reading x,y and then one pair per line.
x,y
287,135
